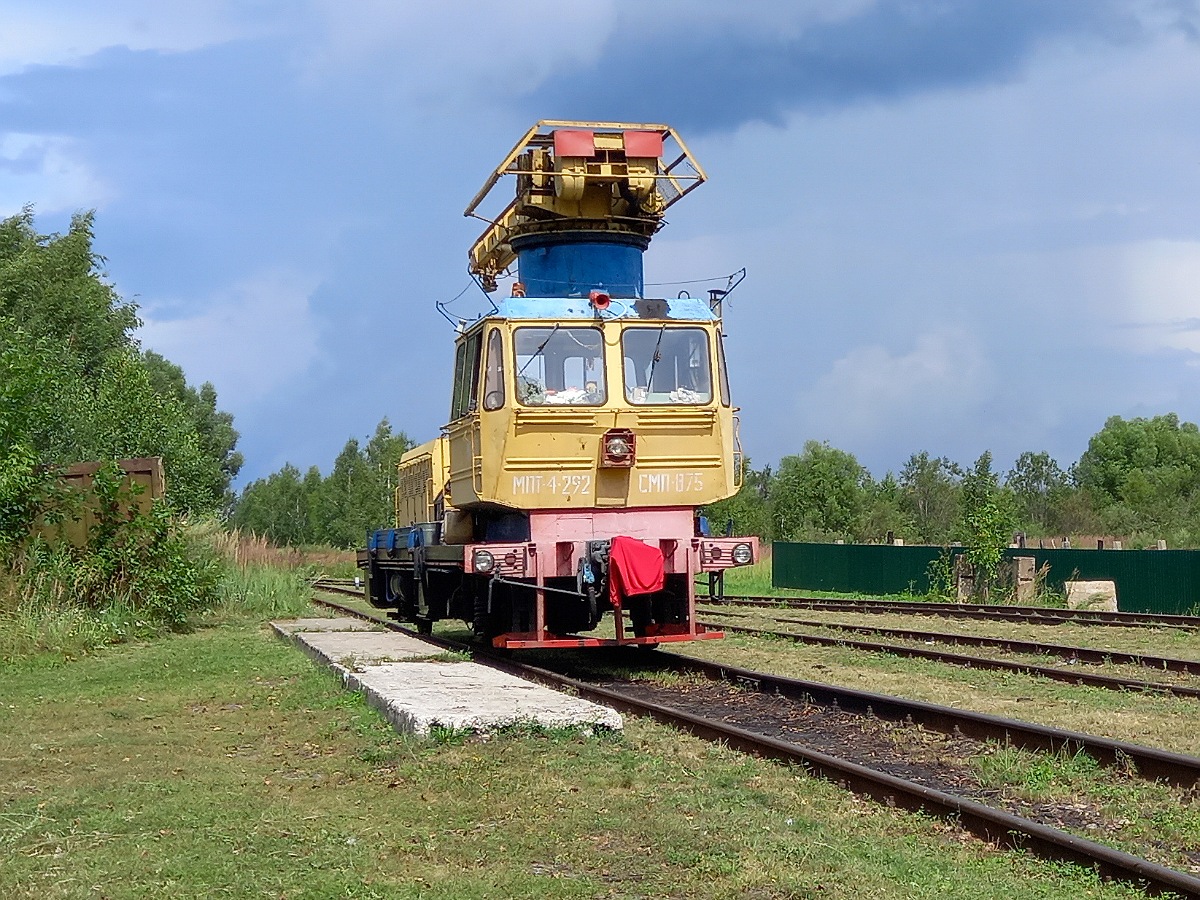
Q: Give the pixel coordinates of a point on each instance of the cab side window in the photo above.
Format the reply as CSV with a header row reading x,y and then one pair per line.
x,y
460,364
466,376
493,379
724,372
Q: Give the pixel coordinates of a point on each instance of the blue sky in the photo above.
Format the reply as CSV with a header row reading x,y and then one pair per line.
x,y
968,225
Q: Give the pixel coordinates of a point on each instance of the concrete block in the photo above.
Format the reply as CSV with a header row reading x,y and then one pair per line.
x,y
339,623
420,694
1024,578
1098,595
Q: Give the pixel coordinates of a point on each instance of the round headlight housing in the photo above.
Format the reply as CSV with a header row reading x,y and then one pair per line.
x,y
743,554
483,562
617,448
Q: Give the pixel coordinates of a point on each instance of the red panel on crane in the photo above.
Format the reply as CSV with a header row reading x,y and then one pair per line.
x,y
643,144
574,143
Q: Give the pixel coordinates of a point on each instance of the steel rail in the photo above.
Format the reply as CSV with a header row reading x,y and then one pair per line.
x,y
988,823
1063,651
996,826
1042,615
1151,763
973,662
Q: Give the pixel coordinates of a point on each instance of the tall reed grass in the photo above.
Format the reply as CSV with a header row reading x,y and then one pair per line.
x,y
42,620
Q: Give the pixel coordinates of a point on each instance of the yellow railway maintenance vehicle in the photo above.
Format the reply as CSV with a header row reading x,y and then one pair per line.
x,y
588,422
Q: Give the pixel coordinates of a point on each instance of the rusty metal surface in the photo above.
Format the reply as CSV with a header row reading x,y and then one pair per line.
x,y
994,825
144,482
1151,763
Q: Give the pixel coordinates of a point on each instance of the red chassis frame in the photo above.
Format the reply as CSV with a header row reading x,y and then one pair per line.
x,y
559,539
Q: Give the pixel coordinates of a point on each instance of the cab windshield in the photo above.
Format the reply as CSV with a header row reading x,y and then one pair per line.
x,y
668,364
557,366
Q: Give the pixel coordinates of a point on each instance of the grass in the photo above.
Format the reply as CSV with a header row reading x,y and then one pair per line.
x,y
40,620
1133,812
1172,642
1156,642
220,762
1129,812
755,581
1156,720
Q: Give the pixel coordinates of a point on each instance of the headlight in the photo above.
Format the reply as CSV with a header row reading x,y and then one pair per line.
x,y
743,554
483,561
617,448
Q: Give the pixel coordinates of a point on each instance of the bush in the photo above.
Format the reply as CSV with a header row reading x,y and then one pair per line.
x,y
140,570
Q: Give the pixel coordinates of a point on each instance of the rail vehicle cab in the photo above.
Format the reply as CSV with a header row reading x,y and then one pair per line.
x,y
587,423
592,413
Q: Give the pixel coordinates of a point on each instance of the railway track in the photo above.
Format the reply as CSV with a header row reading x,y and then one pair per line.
x,y
1040,615
995,825
1062,651
971,662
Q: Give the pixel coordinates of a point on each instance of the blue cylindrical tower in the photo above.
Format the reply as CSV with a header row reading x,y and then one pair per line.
x,y
572,263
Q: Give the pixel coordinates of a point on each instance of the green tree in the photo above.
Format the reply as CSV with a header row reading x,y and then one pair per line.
x,y
382,453
214,429
818,495
73,387
1039,487
746,511
348,499
986,522
28,377
313,497
277,507
97,397
930,491
54,287
1143,474
885,511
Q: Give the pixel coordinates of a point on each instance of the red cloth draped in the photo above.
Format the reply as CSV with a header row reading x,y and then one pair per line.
x,y
633,568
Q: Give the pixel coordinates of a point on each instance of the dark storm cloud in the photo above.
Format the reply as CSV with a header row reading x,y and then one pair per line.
x,y
705,80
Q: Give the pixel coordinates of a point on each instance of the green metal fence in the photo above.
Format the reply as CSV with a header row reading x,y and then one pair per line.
x,y
1158,581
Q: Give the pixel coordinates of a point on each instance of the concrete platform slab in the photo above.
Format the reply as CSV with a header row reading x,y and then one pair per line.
x,y
338,623
420,695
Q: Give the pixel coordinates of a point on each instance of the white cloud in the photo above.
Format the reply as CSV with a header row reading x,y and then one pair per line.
x,y
870,392
63,33
47,171
248,342
441,53
1159,288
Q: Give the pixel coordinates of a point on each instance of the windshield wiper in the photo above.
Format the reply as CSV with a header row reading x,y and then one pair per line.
x,y
656,359
541,347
